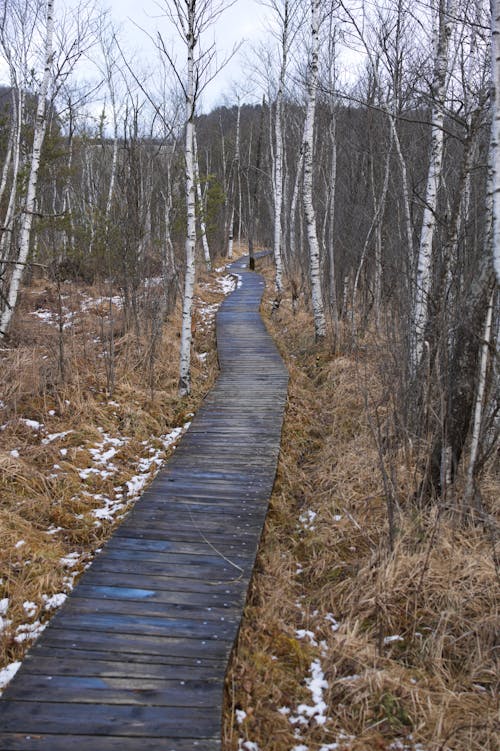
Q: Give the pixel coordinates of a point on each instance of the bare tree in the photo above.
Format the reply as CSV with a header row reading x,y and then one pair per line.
x,y
191,18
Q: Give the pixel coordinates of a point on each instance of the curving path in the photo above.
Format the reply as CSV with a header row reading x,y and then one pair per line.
x,y
135,659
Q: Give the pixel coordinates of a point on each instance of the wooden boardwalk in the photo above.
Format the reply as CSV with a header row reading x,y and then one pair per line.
x,y
135,659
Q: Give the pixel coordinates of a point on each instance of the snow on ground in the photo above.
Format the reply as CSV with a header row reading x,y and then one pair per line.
x,y
7,674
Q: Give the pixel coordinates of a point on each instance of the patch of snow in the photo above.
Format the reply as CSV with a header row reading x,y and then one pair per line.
x,y
7,674
53,602
307,518
33,424
304,633
30,608
284,710
4,606
71,560
15,454
390,639
247,745
300,747
335,625
20,543
316,684
53,530
227,284
29,631
55,436
240,715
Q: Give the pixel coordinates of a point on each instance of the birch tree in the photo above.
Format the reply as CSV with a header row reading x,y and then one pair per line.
x,y
29,205
495,139
201,208
191,18
285,12
443,25
308,150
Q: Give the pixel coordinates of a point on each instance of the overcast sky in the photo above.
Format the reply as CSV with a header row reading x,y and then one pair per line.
x,y
245,20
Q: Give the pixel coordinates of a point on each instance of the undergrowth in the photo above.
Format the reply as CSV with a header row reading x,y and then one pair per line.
x,y
403,640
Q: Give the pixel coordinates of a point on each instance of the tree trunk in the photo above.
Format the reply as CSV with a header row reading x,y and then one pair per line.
x,y
495,138
201,212
38,139
309,210
444,26
189,279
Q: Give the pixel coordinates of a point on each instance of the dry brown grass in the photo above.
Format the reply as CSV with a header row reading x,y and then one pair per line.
x,y
46,508
410,662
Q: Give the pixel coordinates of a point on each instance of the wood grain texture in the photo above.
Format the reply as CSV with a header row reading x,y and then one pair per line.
x,y
136,658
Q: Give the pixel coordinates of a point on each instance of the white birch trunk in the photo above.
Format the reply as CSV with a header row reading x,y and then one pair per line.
x,y
114,165
443,32
8,224
203,227
478,410
495,136
189,279
308,148
38,139
278,161
236,175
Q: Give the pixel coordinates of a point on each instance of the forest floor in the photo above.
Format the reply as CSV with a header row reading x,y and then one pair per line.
x,y
79,443
346,644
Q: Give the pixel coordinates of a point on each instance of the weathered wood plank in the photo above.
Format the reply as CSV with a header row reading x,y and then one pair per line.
x,y
43,742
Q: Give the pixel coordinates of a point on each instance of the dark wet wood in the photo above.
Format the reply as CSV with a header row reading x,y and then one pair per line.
x,y
135,659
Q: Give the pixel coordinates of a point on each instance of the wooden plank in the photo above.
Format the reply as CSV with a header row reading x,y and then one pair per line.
x,y
44,742
154,692
120,720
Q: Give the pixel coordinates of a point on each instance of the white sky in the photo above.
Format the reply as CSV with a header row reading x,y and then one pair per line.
x,y
245,20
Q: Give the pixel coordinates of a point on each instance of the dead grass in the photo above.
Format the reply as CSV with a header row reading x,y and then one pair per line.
x,y
47,509
405,639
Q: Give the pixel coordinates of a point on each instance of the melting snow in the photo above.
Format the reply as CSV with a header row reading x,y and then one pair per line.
x,y
303,633
307,518
71,560
241,715
390,639
316,683
7,674
30,608
55,601
334,623
34,424
4,606
29,631
55,436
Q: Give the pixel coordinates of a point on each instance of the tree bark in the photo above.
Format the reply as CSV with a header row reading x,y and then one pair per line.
x,y
189,279
308,148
